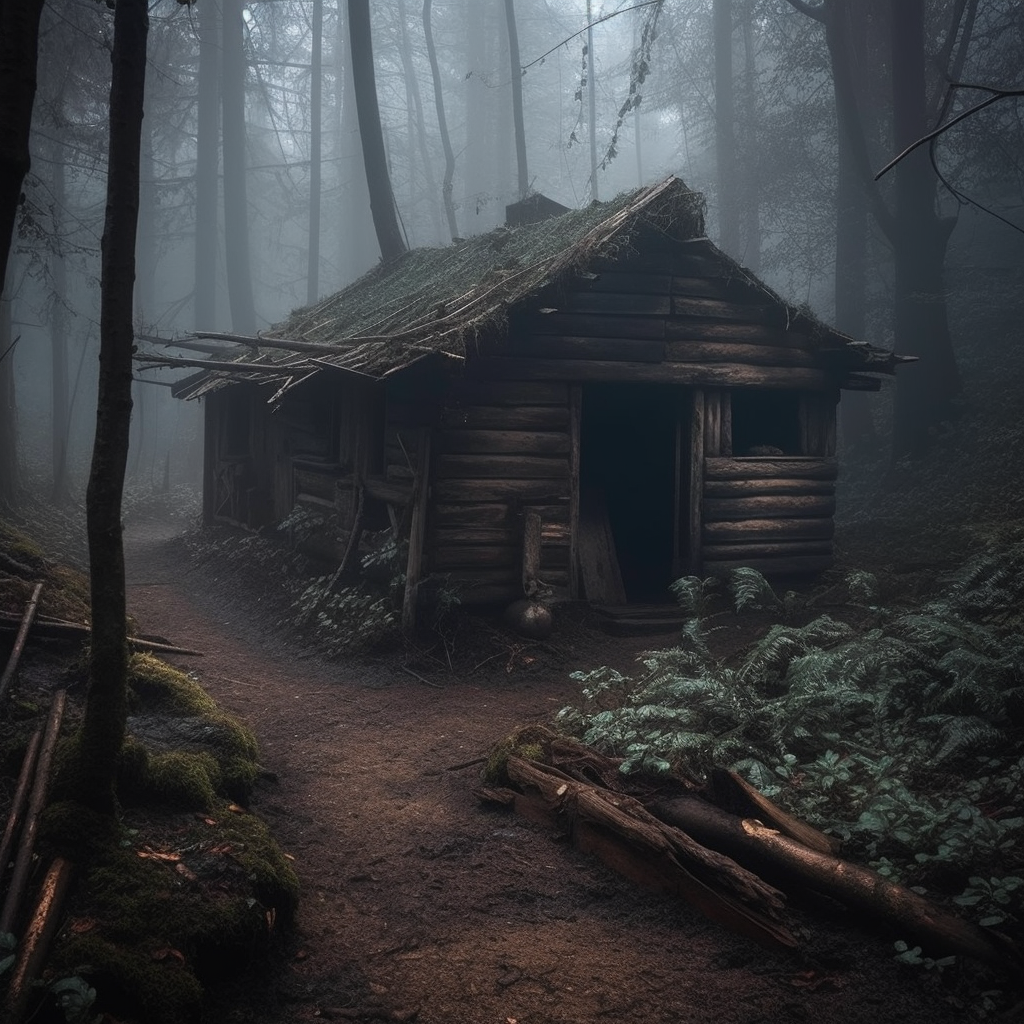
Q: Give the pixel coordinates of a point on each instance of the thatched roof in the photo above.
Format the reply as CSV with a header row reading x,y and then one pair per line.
x,y
430,303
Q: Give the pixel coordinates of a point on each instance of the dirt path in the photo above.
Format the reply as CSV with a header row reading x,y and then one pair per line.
x,y
419,905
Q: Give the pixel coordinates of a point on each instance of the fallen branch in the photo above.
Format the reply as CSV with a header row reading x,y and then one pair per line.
x,y
19,643
35,945
23,862
14,816
61,629
790,863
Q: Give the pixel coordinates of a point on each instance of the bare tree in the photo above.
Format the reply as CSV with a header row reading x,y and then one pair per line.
x,y
382,199
101,734
207,160
523,176
442,124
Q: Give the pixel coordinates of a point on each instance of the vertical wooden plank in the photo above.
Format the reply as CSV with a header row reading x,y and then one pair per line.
x,y
212,412
712,422
681,508
806,414
830,405
417,531
531,552
725,447
575,408
695,482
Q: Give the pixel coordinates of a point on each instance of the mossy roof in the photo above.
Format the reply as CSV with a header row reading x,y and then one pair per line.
x,y
429,303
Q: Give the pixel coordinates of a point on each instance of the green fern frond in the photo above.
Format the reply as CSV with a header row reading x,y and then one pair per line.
x,y
749,589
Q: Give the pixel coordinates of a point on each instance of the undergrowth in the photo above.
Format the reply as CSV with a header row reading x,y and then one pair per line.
x,y
902,736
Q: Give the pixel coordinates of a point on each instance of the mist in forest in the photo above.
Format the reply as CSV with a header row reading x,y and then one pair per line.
x,y
254,197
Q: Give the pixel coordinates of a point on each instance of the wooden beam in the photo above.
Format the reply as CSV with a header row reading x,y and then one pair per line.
x,y
513,467
767,485
768,506
791,565
417,530
575,412
503,442
755,467
729,531
695,479
691,374
497,417
531,553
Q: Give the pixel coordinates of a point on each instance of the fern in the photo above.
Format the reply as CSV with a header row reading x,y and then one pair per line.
x,y
750,589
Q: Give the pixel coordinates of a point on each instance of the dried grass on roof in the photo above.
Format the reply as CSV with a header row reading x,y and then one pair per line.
x,y
435,300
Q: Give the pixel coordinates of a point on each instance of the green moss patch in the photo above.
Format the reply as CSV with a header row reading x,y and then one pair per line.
x,y
177,901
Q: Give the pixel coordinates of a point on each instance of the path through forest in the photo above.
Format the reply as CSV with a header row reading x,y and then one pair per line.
x,y
418,904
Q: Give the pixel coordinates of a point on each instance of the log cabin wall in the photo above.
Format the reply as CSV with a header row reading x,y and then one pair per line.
x,y
502,448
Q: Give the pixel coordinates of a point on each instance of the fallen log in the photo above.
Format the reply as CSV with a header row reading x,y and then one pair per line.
x,y
21,791
34,946
787,862
40,784
629,839
19,644
61,629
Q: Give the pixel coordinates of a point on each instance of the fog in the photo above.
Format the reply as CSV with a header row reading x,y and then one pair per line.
x,y
745,113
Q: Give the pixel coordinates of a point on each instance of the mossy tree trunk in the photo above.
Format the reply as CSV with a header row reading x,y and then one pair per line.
x,y
103,725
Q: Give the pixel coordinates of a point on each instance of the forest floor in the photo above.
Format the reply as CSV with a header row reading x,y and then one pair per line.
x,y
417,903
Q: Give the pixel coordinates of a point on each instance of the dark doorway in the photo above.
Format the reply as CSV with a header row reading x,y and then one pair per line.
x,y
628,465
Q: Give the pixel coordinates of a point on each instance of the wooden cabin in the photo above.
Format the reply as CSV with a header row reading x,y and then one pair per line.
x,y
588,406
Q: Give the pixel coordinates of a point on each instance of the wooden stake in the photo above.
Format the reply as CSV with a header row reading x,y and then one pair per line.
x,y
531,553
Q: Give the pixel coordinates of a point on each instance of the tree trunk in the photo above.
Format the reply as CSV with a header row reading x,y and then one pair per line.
x,y
442,125
357,243
19,45
207,153
522,174
751,184
592,103
60,495
382,200
725,131
924,392
851,236
236,203
315,150
8,408
101,735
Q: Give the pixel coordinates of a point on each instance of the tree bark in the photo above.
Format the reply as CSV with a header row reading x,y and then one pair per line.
x,y
207,153
236,202
925,391
442,124
19,45
382,199
522,174
101,735
592,104
725,130
315,150
8,407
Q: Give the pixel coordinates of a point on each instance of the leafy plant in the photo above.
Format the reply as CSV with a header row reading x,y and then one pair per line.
x,y
902,739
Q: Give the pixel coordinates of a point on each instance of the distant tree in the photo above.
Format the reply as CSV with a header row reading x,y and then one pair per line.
x,y
19,45
442,124
207,234
101,734
315,150
378,177
725,131
236,194
523,175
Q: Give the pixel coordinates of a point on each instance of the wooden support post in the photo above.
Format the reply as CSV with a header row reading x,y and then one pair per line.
x,y
417,532
696,482
575,409
531,553
726,444
712,422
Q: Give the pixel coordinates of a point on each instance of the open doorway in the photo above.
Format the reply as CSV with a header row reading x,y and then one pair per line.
x,y
629,471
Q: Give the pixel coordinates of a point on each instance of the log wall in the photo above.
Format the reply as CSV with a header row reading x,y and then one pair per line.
x,y
772,514
501,450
